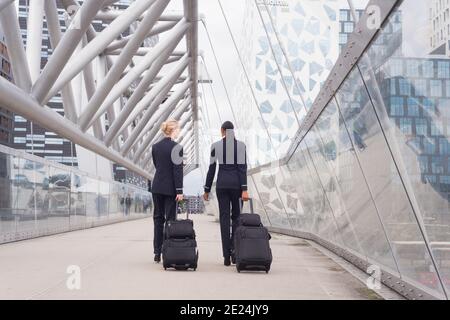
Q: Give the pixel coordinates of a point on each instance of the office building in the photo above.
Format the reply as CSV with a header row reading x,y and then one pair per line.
x,y
194,204
439,15
6,117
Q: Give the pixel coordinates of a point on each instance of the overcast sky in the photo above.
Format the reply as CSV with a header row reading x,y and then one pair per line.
x,y
227,57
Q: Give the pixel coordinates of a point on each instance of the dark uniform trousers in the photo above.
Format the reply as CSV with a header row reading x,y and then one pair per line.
x,y
228,198
164,210
231,181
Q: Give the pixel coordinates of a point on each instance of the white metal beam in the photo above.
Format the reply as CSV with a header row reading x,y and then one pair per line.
x,y
16,50
5,3
191,15
149,103
54,30
98,44
159,28
160,117
153,98
144,125
135,73
18,101
109,3
139,100
179,115
148,157
34,37
187,132
67,45
111,15
120,64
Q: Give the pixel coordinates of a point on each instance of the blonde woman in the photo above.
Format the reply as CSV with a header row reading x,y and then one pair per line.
x,y
167,185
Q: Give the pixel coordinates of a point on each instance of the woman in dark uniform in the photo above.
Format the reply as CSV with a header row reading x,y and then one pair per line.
x,y
167,185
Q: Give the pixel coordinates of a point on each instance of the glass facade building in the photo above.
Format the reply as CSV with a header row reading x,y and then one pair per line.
x,y
6,117
439,14
370,179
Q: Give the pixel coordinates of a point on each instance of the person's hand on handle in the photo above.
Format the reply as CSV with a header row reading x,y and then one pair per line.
x,y
245,196
206,196
179,197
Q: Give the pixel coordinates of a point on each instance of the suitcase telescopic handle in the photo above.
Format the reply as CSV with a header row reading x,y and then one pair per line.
x,y
176,210
241,205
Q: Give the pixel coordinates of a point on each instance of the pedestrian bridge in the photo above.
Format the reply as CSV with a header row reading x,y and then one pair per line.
x,y
116,262
344,107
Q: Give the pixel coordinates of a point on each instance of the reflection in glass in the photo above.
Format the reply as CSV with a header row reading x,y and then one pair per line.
x,y
91,193
257,204
23,196
78,201
59,191
407,77
7,217
38,198
268,194
103,199
287,189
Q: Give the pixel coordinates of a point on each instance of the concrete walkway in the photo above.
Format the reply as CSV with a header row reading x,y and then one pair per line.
x,y
116,263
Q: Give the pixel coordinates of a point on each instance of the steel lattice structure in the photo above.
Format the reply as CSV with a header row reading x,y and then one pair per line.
x,y
153,94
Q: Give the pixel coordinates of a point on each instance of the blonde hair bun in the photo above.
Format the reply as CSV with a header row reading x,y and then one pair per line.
x,y
169,126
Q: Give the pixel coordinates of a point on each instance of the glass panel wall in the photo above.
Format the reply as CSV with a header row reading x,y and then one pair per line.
x,y
41,196
407,75
38,197
103,199
91,190
58,197
333,162
373,173
287,189
257,204
269,196
384,181
362,210
306,192
78,200
7,217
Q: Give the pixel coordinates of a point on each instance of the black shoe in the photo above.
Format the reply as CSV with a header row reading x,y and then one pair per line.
x,y
233,259
157,258
227,261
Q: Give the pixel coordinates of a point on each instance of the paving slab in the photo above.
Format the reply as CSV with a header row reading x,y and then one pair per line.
x,y
116,262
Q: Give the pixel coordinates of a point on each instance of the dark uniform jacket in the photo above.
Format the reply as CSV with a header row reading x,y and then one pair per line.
x,y
168,160
232,165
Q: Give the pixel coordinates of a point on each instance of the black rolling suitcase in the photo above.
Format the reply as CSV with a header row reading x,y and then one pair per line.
x,y
180,247
251,243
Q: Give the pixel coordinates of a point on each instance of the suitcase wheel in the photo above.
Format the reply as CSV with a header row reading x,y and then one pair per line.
x,y
183,268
